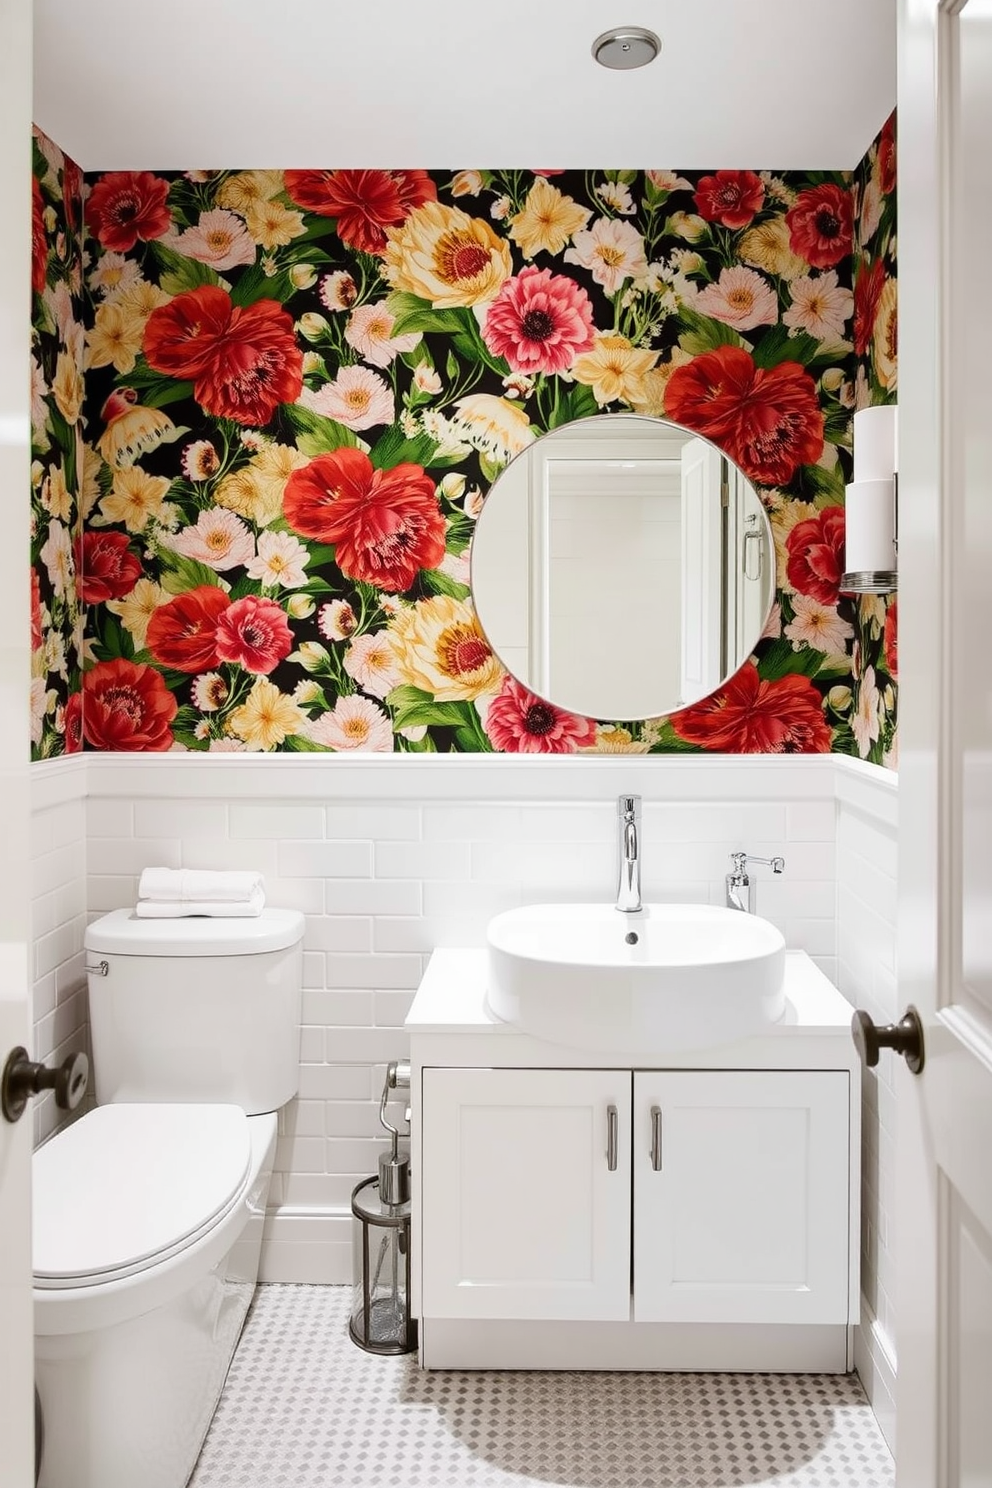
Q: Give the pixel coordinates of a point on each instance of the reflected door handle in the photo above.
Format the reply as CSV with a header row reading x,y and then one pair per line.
x,y
905,1037
612,1136
24,1077
656,1138
752,555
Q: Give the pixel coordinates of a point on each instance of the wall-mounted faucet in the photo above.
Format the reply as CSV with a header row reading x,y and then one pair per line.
x,y
740,889
628,854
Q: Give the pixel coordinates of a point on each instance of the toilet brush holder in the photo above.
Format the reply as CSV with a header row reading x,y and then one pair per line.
x,y
380,1315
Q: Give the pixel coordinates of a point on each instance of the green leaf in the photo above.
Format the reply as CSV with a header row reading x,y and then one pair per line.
x,y
425,745
179,272
777,345
394,448
413,708
410,313
254,284
826,486
703,334
780,660
317,435
669,742
439,583
472,741
577,403
297,744
184,573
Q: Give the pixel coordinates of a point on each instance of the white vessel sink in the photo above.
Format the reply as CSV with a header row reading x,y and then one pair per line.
x,y
695,976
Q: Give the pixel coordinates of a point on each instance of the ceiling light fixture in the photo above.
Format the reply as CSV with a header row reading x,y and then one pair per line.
x,y
625,47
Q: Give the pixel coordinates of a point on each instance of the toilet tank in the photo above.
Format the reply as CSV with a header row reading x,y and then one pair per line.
x,y
196,1009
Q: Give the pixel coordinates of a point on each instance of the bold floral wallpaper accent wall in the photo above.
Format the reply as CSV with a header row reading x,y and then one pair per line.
x,y
300,385
56,449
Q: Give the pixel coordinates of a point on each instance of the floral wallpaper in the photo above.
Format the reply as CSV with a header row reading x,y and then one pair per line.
x,y
56,449
874,655
300,386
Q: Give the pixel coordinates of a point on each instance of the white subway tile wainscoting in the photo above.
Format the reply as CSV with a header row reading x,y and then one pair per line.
x,y
389,858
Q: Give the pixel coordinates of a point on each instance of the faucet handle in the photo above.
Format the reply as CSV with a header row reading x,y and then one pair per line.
x,y
740,861
628,807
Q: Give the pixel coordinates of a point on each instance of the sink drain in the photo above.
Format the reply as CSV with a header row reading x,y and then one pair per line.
x,y
631,937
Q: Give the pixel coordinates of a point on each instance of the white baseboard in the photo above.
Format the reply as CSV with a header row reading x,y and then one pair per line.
x,y
307,1245
875,1362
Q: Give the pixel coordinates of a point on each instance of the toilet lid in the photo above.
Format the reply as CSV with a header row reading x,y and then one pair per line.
x,y
130,1184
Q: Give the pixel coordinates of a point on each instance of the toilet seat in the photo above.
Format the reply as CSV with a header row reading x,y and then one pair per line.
x,y
129,1185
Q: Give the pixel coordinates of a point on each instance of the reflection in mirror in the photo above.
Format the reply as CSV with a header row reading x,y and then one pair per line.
x,y
622,567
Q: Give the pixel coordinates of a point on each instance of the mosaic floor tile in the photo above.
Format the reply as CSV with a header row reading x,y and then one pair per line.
x,y
304,1408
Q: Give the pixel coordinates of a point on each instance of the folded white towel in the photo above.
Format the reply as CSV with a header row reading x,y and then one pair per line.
x,y
178,909
200,885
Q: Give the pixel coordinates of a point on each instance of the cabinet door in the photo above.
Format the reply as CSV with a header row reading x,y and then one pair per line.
x,y
741,1196
525,1198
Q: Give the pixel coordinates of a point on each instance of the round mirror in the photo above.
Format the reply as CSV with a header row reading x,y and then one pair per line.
x,y
622,567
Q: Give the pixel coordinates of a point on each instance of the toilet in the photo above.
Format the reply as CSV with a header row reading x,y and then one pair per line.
x,y
148,1210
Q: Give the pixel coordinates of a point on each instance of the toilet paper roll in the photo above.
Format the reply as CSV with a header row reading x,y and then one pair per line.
x,y
875,443
869,522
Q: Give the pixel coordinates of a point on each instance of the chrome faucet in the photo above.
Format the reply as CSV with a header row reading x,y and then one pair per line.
x,y
740,889
628,854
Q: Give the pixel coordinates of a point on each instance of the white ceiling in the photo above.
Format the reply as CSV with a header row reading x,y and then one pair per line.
x,y
205,84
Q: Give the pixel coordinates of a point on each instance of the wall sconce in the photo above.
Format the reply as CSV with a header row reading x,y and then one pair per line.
x,y
870,526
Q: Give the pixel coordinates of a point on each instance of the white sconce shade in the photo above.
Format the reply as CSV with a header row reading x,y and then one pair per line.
x,y
870,512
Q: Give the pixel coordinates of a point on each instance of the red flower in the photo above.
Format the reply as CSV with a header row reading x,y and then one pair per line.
x,y
891,638
39,239
539,322
244,360
887,155
254,633
868,284
518,722
37,634
183,633
767,419
365,202
105,567
821,225
127,706
731,197
752,716
72,723
387,524
816,555
127,205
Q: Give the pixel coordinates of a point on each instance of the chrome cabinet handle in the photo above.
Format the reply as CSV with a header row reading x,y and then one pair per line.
x,y
656,1138
612,1136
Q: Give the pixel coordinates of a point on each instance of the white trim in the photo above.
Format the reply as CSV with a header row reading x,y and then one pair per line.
x,y
875,1364
307,1245
452,1343
53,782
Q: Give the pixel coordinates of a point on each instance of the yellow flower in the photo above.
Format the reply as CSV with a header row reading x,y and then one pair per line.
x,y
255,491
135,498
884,341
466,183
547,221
767,247
440,648
67,388
655,382
495,426
616,740
115,339
137,608
89,489
242,191
443,255
55,495
272,225
141,299
614,369
266,717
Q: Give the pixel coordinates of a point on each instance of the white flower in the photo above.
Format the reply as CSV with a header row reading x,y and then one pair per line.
x,y
819,306
371,661
354,722
56,555
220,540
740,298
866,719
818,626
209,692
338,291
370,332
612,251
336,620
357,398
281,560
616,196
426,379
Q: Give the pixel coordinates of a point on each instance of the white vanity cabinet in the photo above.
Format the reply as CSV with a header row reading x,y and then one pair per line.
x,y
575,1211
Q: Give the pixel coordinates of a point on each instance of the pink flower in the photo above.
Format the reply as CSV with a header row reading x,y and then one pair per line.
x,y
518,722
254,633
219,539
354,722
370,332
357,398
740,298
539,322
219,239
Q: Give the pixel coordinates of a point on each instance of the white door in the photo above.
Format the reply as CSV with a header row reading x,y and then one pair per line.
x,y
16,1362
944,1208
703,492
526,1193
741,1193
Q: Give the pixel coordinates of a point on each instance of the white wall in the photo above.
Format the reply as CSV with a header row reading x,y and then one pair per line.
x,y
389,858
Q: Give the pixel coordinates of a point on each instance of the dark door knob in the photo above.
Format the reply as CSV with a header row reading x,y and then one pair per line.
x,y
905,1037
24,1077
